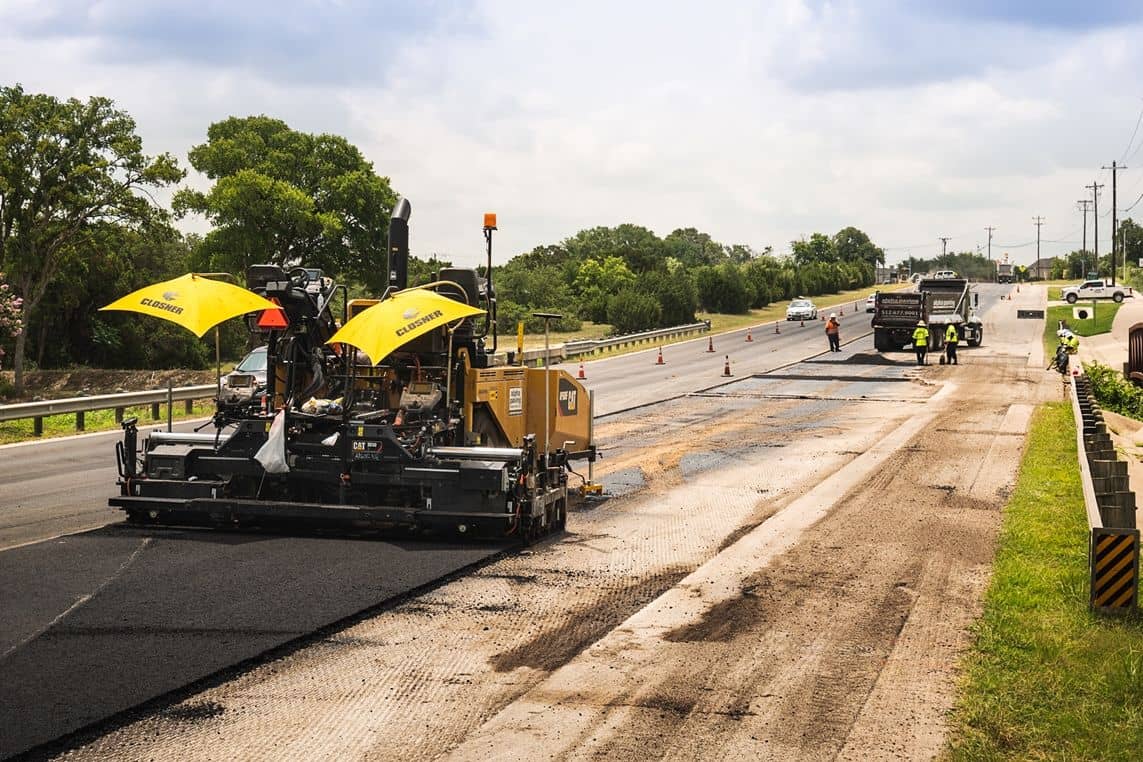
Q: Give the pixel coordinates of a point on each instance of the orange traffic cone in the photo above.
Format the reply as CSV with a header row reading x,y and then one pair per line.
x,y
710,344
660,360
776,327
726,368
749,337
580,374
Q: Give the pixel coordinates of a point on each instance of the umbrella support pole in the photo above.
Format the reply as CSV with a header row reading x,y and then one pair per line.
x,y
218,361
448,376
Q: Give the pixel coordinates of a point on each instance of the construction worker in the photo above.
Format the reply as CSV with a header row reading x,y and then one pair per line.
x,y
1073,343
921,341
951,338
833,333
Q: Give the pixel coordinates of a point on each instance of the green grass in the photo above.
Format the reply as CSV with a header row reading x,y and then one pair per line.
x,y
1045,678
1101,323
98,420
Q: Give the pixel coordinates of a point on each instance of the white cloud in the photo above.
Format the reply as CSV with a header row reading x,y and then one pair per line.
x,y
759,124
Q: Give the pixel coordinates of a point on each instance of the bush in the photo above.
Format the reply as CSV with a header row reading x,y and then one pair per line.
x,y
675,294
630,311
1114,392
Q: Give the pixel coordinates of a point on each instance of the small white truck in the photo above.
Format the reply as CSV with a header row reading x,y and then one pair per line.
x,y
1095,289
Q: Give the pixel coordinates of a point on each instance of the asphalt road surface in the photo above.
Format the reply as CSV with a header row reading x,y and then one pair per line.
x,y
101,621
98,622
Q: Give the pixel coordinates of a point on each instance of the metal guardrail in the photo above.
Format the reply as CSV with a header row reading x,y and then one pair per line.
x,y
582,347
117,402
1113,548
592,346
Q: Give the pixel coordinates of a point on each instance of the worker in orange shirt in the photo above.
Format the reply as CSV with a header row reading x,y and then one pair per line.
x,y
833,333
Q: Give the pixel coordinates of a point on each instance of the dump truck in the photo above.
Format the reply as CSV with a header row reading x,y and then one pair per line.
x,y
939,302
895,315
1004,272
435,436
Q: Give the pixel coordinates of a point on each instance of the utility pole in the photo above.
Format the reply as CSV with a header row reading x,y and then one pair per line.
x,y
1083,202
944,247
990,229
1038,221
1095,217
1114,233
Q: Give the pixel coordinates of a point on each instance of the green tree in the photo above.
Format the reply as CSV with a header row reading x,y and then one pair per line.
x,y
286,197
693,248
637,246
722,289
853,245
65,168
596,281
819,248
1131,241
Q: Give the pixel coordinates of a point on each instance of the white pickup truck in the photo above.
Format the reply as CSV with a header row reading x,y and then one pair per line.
x,y
1095,289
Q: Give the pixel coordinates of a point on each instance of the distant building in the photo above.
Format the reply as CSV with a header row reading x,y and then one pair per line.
x,y
1042,268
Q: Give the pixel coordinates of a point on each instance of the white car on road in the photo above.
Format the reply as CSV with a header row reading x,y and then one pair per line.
x,y
801,309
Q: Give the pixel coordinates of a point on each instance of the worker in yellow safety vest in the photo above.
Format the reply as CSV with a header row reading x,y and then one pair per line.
x,y
921,341
951,339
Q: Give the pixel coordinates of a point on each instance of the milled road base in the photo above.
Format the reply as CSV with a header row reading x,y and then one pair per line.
x,y
416,681
561,715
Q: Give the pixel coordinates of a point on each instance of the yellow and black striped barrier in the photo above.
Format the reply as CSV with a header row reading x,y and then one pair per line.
x,y
1114,568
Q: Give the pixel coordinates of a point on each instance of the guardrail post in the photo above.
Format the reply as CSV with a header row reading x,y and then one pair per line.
x,y
79,421
1113,550
155,411
119,415
189,406
38,426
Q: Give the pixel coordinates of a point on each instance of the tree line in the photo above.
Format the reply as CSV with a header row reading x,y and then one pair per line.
x,y
631,279
80,225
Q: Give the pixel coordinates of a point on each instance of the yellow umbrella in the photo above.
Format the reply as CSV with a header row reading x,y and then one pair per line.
x,y
194,301
402,317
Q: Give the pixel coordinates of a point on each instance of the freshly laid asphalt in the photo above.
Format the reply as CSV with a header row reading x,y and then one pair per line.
x,y
99,622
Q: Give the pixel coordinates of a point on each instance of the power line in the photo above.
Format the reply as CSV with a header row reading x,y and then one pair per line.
x,y
1134,203
1133,134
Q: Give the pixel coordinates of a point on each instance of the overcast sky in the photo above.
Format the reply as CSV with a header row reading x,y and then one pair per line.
x,y
758,123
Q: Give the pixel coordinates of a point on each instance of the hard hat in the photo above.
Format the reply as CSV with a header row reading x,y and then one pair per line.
x,y
920,322
833,315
